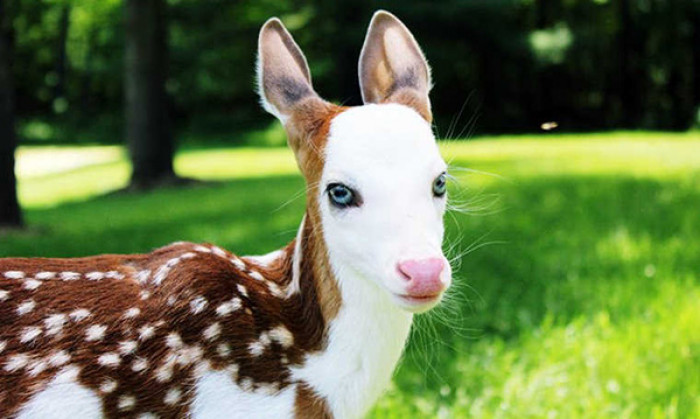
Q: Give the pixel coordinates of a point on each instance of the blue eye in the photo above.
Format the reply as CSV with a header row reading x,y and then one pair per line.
x,y
440,185
341,196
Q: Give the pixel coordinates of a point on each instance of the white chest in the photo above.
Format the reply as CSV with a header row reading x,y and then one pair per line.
x,y
365,343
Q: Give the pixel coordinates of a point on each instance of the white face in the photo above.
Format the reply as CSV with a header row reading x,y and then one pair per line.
x,y
390,232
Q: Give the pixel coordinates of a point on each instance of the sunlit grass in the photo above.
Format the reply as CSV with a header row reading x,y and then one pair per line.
x,y
580,299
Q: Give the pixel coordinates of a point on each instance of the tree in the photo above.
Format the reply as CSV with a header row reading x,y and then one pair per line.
x,y
10,214
148,131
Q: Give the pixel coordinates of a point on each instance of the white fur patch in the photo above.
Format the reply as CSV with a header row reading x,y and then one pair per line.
x,y
63,398
95,332
217,396
109,359
14,274
79,314
54,323
25,307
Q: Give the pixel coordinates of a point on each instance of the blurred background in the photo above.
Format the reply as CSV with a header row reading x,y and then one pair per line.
x,y
571,127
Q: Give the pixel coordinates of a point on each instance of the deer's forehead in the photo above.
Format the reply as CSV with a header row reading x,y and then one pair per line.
x,y
381,139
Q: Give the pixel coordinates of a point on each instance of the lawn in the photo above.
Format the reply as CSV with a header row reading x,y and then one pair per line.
x,y
577,292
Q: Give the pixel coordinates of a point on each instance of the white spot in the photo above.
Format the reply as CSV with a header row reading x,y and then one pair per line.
x,y
109,359
59,358
198,304
132,312
37,367
276,290
31,284
212,332
108,386
95,332
95,276
172,396
265,339
188,255
139,365
127,347
171,300
242,290
223,349
69,276
142,276
239,264
16,362
26,307
4,295
256,348
114,275
146,332
14,274
147,415
45,275
256,275
165,372
173,340
164,270
29,334
54,323
282,335
126,403
189,355
202,249
228,307
145,295
218,251
3,345
79,314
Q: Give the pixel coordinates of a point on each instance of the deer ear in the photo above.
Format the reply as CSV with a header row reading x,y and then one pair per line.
x,y
392,67
284,79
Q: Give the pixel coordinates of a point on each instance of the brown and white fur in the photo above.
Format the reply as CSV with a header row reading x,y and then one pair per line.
x,y
313,330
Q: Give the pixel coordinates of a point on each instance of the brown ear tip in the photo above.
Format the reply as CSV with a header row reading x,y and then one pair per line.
x,y
384,15
273,23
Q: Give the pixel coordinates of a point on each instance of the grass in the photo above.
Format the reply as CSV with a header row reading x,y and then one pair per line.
x,y
578,289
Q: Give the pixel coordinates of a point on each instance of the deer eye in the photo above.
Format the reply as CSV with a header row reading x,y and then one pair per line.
x,y
440,186
342,196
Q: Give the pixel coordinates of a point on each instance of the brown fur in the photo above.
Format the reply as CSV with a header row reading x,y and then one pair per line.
x,y
168,308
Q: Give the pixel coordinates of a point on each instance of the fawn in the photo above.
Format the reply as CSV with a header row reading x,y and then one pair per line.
x,y
313,330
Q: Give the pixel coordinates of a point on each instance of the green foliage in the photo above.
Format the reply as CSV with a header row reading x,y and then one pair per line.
x,y
514,64
576,291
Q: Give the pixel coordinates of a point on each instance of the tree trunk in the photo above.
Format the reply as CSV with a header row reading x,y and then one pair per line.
x,y
61,55
10,214
148,131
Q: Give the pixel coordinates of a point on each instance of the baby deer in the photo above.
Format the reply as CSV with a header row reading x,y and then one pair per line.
x,y
313,330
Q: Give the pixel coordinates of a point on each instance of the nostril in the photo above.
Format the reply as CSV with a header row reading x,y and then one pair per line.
x,y
403,272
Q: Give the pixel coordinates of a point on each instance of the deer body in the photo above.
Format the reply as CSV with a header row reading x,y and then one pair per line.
x,y
313,330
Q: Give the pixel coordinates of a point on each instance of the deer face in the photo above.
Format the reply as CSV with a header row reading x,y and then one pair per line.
x,y
374,172
382,199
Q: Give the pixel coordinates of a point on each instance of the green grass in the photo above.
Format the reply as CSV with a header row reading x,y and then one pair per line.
x,y
578,294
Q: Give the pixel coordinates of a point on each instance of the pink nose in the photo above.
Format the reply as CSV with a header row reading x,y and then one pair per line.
x,y
423,276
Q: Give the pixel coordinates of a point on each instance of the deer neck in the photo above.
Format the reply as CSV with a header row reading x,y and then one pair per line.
x,y
364,332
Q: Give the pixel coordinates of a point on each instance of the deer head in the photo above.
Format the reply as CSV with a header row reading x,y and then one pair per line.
x,y
375,178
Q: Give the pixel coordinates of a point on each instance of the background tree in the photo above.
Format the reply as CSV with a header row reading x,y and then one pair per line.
x,y
10,214
148,131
